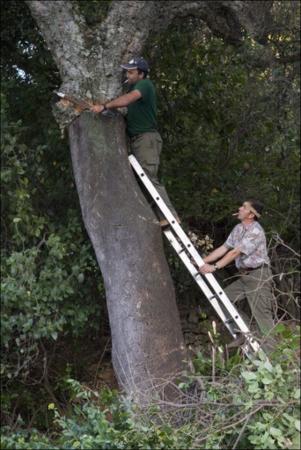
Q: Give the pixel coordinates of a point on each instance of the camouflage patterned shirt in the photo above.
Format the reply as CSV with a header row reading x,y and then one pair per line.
x,y
251,241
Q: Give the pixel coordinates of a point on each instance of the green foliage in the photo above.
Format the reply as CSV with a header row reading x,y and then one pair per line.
x,y
255,405
104,421
266,396
279,426
47,268
230,128
40,291
24,56
94,11
26,440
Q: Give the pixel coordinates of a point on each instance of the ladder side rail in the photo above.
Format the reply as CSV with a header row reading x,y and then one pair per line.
x,y
152,190
192,250
165,210
198,279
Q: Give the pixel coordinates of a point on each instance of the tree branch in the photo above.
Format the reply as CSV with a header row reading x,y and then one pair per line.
x,y
63,29
226,19
129,24
124,32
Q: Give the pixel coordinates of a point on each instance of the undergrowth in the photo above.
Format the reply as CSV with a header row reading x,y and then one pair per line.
x,y
246,405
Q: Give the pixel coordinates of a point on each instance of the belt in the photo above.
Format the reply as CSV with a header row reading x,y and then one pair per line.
x,y
136,136
250,269
133,138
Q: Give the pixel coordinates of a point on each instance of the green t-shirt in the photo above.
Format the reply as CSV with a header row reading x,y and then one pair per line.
x,y
142,114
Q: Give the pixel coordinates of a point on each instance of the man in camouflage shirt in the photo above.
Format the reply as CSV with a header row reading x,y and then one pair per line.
x,y
246,245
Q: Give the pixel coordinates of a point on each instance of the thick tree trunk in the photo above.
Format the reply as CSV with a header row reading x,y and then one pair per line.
x,y
147,342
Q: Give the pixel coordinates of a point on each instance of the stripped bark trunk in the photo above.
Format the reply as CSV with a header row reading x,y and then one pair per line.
x,y
147,342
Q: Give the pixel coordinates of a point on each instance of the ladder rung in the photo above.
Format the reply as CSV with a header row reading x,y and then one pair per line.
x,y
229,320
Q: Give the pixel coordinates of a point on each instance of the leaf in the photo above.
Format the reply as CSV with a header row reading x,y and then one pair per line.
x,y
267,381
54,335
297,425
81,277
267,365
297,394
249,376
296,441
253,388
287,417
275,432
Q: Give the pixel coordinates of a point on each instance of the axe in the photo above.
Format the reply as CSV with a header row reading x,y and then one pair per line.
x,y
79,105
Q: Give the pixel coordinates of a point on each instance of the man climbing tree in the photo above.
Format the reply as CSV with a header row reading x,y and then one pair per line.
x,y
142,127
147,342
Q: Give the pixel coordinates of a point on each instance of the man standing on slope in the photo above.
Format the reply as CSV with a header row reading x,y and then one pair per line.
x,y
145,140
246,245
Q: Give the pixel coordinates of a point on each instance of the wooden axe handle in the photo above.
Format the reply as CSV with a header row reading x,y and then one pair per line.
x,y
82,104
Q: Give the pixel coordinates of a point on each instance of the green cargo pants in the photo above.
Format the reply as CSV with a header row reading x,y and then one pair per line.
x,y
256,286
146,148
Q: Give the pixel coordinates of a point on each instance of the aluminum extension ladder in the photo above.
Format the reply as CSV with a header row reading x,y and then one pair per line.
x,y
191,258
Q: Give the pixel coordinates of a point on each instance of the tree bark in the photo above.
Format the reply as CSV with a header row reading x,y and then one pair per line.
x,y
147,342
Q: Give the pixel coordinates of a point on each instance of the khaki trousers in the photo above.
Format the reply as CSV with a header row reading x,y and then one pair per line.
x,y
146,148
256,286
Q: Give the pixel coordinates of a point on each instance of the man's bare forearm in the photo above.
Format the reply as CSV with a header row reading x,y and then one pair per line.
x,y
216,254
228,258
221,259
119,102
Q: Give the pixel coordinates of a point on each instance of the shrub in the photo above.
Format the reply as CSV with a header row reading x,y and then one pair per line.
x,y
255,406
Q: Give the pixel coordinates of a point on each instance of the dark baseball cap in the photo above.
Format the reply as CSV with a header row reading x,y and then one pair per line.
x,y
136,63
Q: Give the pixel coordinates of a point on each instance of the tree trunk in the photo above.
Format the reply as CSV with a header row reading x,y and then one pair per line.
x,y
147,342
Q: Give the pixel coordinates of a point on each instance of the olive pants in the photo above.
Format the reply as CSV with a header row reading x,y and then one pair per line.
x,y
146,148
256,286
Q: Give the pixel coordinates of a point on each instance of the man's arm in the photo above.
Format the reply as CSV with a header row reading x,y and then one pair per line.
x,y
119,102
216,254
227,259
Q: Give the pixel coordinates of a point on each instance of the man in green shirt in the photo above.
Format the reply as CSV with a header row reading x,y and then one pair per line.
x,y
142,128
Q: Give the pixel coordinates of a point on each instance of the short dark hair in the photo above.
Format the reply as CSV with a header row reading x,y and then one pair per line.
x,y
142,71
257,205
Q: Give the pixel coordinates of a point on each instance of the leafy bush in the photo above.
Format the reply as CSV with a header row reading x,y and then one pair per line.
x,y
256,406
25,440
48,267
